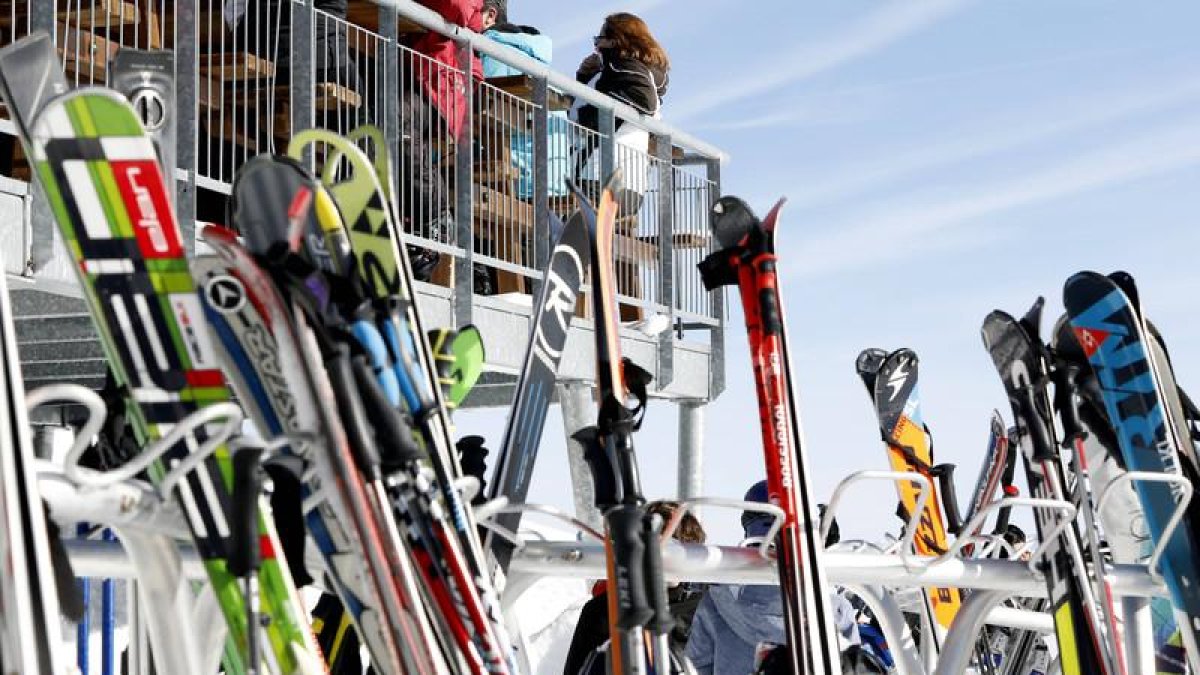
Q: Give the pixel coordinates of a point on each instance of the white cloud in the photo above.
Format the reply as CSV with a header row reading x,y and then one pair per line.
x,y
585,24
893,236
1048,119
872,33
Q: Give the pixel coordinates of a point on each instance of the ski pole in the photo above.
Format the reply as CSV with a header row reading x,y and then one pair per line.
x,y
246,556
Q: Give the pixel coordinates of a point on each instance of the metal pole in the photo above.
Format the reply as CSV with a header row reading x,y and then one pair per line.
x,y
84,629
691,449
575,399
187,85
303,68
1139,634
464,206
666,257
541,243
108,599
716,379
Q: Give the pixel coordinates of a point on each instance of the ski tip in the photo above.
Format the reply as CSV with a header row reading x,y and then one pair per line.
x,y
615,181
771,221
869,360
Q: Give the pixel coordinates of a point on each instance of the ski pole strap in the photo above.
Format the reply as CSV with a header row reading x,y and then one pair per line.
x,y
1065,377
1035,426
637,381
626,531
246,554
604,474
720,269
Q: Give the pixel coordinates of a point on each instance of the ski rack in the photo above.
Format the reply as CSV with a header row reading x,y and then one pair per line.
x,y
145,518
167,610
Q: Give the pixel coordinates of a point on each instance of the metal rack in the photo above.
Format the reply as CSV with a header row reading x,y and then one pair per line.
x,y
150,528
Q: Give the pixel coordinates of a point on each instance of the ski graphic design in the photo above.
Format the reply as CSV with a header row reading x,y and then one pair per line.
x,y
1113,337
552,316
748,259
1019,358
106,190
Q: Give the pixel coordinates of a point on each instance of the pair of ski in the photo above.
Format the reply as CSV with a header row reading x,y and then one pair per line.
x,y
1151,419
356,303
747,259
106,189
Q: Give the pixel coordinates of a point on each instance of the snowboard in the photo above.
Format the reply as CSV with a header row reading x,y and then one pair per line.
x,y
555,307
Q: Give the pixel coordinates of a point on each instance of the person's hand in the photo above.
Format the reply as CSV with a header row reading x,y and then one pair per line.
x,y
589,67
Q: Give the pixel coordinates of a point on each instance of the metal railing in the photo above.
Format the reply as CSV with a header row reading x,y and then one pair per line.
x,y
478,174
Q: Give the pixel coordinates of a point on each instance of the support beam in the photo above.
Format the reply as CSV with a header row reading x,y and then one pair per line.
x,y
691,449
575,399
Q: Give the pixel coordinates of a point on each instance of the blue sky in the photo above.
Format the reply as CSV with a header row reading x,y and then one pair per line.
x,y
942,158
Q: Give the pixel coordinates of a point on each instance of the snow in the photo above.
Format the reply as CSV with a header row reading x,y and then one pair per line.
x,y
547,611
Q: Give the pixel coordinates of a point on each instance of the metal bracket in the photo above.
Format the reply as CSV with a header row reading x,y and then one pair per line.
x,y
1176,517
914,518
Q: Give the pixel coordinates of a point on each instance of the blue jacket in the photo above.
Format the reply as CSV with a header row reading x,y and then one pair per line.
x,y
729,624
521,38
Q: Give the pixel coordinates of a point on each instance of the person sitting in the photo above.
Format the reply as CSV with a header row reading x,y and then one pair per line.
x,y
534,44
733,620
629,65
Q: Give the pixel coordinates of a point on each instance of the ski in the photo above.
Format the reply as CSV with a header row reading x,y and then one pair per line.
x,y
385,279
1019,357
748,259
891,381
30,626
551,320
999,465
637,599
1113,337
106,189
263,353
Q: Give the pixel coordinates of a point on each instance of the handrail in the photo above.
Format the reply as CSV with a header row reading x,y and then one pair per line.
x,y
431,20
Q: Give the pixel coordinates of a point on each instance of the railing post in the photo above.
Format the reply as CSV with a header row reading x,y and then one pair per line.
x,y
608,143
541,177
43,228
666,257
464,278
716,382
390,68
186,111
302,68
41,17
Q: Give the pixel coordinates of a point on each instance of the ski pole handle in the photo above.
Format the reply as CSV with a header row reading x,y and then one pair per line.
x,y
662,622
352,413
625,527
945,475
1066,377
397,448
246,554
1035,426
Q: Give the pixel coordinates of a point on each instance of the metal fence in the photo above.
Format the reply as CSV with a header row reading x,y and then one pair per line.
x,y
479,193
